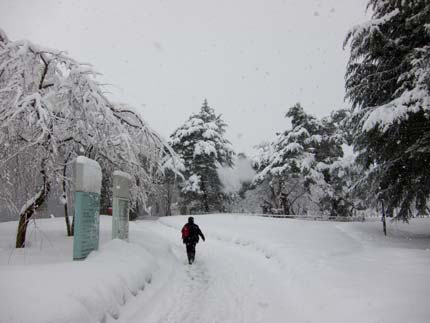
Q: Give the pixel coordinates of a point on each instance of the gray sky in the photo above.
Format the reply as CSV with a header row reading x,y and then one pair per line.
x,y
252,59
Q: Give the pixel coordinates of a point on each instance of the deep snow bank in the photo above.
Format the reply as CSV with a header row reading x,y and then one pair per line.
x,y
46,286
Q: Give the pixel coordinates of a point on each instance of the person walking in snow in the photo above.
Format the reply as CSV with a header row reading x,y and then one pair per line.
x,y
190,237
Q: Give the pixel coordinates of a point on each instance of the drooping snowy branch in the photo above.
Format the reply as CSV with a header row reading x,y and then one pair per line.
x,y
51,103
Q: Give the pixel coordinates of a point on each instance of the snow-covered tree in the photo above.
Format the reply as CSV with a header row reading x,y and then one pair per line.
x,y
304,163
388,83
200,142
51,110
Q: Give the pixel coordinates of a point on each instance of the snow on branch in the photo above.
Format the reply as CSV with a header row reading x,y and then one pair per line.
x,y
384,116
370,26
50,101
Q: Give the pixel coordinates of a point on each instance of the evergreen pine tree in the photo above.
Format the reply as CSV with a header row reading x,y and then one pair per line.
x,y
201,144
307,155
388,82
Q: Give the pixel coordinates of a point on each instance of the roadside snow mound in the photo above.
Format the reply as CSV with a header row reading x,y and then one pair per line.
x,y
84,291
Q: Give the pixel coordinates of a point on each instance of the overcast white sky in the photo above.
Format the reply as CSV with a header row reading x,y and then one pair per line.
x,y
252,59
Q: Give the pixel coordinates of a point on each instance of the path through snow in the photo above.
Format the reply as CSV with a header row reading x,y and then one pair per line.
x,y
227,283
253,269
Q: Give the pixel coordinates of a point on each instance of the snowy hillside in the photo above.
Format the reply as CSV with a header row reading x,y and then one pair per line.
x,y
250,269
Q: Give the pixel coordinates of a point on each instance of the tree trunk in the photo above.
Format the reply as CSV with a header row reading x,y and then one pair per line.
x,y
384,225
26,215
205,197
334,208
66,211
28,212
206,202
66,215
285,204
168,199
273,198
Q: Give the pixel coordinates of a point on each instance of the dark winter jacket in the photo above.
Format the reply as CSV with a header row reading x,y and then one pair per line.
x,y
193,233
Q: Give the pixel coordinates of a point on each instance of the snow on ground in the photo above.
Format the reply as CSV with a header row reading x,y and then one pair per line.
x,y
250,269
41,283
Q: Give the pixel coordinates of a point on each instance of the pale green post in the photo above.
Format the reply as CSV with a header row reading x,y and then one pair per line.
x,y
87,179
120,205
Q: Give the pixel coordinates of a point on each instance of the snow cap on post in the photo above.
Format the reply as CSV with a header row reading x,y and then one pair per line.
x,y
121,184
88,175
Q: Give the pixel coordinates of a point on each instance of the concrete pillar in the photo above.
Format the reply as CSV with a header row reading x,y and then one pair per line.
x,y
87,180
120,205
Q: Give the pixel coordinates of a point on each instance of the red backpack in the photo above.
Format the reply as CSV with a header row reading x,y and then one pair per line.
x,y
185,231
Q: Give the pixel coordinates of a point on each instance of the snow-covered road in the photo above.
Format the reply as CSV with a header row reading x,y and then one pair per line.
x,y
249,269
227,283
268,270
